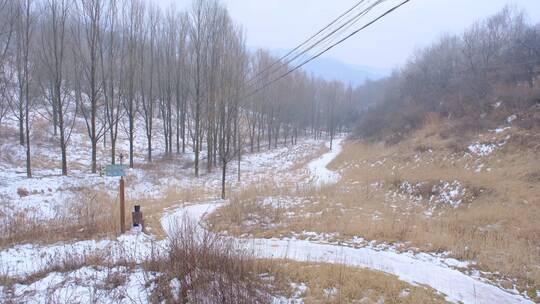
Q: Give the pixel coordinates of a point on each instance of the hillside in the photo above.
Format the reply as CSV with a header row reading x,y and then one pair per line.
x,y
475,81
61,239
363,197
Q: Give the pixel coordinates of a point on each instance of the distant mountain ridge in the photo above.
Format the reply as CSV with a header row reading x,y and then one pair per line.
x,y
333,69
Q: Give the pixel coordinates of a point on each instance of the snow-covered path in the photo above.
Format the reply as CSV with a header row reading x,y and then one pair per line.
x,y
317,167
458,286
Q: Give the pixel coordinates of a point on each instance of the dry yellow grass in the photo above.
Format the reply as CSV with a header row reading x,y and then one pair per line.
x,y
94,215
327,283
497,225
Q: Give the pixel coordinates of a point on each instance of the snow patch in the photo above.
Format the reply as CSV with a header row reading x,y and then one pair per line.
x,y
482,149
450,193
317,168
501,130
86,285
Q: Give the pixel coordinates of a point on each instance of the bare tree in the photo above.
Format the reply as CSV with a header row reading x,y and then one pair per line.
x,y
181,83
109,50
8,14
197,24
18,104
167,75
87,39
133,18
54,54
214,47
232,78
24,32
147,73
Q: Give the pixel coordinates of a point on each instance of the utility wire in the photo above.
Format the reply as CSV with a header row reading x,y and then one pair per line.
x,y
306,41
328,48
328,36
346,27
343,26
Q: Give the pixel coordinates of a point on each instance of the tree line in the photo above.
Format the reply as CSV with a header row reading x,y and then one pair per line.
x,y
129,62
493,67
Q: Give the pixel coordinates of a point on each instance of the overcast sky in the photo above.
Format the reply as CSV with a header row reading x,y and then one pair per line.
x,y
283,24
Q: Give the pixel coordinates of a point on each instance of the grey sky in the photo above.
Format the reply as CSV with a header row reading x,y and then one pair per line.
x,y
282,24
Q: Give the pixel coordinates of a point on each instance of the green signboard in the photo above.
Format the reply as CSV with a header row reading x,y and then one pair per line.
x,y
114,170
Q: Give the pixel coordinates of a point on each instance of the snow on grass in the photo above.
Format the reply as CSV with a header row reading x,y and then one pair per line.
x,y
299,291
27,259
317,168
43,197
412,268
49,195
501,130
440,193
449,193
482,149
456,285
87,285
282,202
330,292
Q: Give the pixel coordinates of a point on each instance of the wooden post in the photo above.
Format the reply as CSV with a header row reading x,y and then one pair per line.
x,y
122,198
122,206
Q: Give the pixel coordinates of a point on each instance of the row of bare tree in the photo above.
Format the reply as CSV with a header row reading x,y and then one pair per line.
x,y
128,62
458,77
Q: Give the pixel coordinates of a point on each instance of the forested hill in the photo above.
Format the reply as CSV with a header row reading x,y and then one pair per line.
x,y
474,81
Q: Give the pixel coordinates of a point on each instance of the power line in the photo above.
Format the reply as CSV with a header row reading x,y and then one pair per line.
x,y
328,37
269,71
329,48
306,41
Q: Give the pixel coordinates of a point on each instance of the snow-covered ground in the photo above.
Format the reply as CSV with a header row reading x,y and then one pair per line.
x,y
47,193
415,269
318,168
82,286
50,196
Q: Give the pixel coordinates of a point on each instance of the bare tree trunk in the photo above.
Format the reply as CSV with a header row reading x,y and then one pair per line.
x,y
27,33
90,20
223,176
184,111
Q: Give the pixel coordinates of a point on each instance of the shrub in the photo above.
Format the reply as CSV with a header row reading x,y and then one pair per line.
x,y
207,268
23,192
